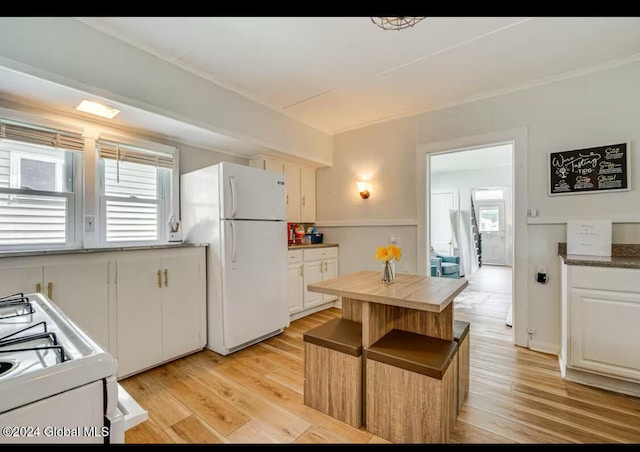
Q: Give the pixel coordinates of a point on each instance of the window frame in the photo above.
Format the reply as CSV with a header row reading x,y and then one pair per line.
x,y
167,187
74,163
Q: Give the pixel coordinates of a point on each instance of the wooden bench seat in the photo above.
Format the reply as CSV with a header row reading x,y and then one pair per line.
x,y
410,389
333,370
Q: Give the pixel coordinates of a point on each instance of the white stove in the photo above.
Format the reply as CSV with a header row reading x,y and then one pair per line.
x,y
56,383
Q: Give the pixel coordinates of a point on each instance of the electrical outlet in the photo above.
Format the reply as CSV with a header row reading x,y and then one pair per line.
x,y
531,331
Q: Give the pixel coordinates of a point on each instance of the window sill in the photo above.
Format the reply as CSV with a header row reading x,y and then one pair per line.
x,y
26,253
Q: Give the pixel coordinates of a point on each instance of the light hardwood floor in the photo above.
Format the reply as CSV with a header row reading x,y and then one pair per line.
x,y
256,395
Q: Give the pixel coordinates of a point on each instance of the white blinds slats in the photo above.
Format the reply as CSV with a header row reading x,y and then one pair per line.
x,y
127,153
27,133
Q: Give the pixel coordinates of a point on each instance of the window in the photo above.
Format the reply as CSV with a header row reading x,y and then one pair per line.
x,y
489,219
38,185
135,191
489,194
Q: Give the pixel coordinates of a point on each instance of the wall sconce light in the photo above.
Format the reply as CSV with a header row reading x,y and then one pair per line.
x,y
363,189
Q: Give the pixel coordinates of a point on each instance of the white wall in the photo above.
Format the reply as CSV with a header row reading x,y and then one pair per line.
x,y
66,51
465,181
594,109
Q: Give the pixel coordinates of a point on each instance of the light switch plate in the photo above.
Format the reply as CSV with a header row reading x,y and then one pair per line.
x,y
89,223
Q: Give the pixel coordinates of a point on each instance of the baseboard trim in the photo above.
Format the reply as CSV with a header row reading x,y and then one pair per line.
x,y
544,347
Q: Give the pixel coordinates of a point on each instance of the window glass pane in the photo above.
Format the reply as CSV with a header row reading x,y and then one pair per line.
x,y
482,195
37,175
131,221
30,219
489,219
26,219
136,180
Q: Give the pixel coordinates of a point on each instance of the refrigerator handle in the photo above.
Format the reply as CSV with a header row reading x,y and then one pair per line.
x,y
233,241
232,184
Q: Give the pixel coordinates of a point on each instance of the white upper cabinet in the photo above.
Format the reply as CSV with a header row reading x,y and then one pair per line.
x,y
307,194
300,187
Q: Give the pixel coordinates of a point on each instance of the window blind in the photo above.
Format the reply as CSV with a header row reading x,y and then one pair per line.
x,y
133,154
43,136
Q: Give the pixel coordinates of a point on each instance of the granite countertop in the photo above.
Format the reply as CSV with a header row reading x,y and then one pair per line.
x,y
623,255
311,245
97,250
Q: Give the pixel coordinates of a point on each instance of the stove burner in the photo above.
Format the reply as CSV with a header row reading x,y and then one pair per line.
x,y
41,342
6,367
15,305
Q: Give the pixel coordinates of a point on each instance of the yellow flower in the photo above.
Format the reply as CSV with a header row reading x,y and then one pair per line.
x,y
395,252
386,253
382,253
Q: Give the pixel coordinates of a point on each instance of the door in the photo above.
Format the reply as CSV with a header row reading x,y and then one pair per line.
x,y
254,280
441,232
81,290
604,333
292,190
330,272
313,273
183,302
491,226
307,194
250,193
139,301
295,287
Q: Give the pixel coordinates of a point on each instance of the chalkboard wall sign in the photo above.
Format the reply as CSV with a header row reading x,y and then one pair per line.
x,y
592,170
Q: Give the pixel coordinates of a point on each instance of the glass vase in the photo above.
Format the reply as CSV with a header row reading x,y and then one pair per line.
x,y
389,272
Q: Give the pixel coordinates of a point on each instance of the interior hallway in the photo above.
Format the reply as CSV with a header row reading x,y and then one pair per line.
x,y
488,297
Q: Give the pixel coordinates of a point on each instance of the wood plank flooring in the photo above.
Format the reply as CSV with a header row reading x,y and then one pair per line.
x,y
256,395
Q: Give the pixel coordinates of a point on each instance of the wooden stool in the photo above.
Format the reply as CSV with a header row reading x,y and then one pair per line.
x,y
333,370
410,387
460,334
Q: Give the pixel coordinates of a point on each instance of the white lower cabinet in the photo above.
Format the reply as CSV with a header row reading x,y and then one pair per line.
x,y
313,265
600,334
145,307
81,290
295,272
80,287
161,301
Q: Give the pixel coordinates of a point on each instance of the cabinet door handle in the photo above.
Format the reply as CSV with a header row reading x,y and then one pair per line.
x,y
38,287
50,290
287,198
325,266
303,201
159,278
301,272
166,277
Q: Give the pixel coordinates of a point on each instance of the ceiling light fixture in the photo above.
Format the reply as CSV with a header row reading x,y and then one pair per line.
x,y
396,23
95,108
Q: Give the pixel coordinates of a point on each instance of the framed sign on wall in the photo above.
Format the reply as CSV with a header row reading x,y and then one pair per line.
x,y
591,170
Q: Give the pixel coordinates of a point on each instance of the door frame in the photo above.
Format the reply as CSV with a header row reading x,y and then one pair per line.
x,y
519,138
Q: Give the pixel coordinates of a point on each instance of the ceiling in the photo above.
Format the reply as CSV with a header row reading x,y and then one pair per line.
x,y
341,73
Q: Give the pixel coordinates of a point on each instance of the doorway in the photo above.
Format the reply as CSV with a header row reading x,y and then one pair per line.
x,y
520,251
480,224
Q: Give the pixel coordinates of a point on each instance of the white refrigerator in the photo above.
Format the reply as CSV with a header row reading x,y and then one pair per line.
x,y
239,211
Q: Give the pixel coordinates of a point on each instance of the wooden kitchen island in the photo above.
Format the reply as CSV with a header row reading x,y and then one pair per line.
x,y
420,304
423,307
